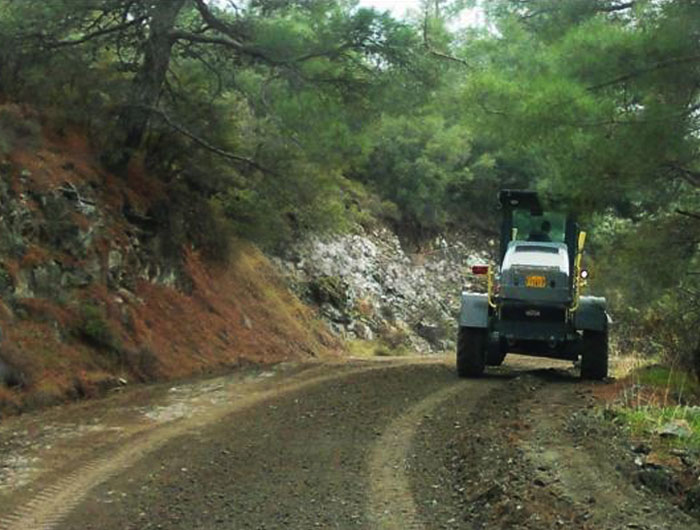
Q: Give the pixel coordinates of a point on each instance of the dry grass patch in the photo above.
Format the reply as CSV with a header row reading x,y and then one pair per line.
x,y
375,348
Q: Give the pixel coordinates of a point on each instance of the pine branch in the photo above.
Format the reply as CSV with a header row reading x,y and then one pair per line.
x,y
335,52
616,7
691,177
203,143
432,51
227,41
448,57
692,215
598,9
676,61
231,39
97,34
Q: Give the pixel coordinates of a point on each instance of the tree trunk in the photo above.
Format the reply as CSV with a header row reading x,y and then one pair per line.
x,y
147,84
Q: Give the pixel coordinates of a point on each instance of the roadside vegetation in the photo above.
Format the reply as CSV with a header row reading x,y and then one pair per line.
x,y
659,408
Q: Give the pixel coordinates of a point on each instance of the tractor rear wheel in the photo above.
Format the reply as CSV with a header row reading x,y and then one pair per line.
x,y
471,352
594,362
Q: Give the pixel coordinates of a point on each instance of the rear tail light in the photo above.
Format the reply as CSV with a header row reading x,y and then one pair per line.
x,y
480,269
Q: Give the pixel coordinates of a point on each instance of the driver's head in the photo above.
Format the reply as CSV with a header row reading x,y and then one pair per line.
x,y
546,226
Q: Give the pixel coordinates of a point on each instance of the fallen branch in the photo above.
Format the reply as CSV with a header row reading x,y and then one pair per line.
x,y
69,189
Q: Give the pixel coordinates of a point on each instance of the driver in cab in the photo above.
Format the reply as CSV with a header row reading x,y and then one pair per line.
x,y
542,234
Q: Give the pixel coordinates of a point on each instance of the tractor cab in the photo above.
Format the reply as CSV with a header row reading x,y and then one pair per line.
x,y
525,221
538,251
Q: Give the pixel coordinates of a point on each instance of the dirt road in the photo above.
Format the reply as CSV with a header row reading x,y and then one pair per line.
x,y
393,444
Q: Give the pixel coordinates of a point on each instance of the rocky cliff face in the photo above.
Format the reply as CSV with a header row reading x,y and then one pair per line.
x,y
58,236
368,287
101,283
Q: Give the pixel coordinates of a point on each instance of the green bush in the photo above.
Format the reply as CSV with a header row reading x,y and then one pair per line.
x,y
367,208
185,217
646,269
328,289
210,231
275,211
95,329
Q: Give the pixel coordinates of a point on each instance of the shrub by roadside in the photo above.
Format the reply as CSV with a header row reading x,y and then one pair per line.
x,y
658,407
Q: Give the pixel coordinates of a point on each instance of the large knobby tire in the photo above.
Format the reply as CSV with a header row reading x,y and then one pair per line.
x,y
471,352
594,362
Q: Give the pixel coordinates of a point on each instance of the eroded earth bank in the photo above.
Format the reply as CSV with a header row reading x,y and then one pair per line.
x,y
387,444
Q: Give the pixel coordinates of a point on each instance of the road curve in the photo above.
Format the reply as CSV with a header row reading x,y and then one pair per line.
x,y
402,444
327,455
49,506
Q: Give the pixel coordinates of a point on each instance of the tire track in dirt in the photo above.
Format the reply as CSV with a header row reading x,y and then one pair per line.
x,y
392,505
50,505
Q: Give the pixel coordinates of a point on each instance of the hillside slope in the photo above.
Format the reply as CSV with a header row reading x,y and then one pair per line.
x,y
96,287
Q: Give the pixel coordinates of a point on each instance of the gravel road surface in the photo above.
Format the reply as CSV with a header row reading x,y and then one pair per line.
x,y
390,444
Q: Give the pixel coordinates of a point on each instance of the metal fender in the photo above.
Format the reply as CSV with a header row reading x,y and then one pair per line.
x,y
475,310
591,314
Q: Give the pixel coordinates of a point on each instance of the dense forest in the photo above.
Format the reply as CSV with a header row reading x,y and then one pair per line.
x,y
273,118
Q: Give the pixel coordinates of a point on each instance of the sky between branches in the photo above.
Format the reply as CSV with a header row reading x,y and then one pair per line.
x,y
400,8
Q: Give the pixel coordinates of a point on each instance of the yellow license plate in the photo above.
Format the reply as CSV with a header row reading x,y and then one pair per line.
x,y
535,281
